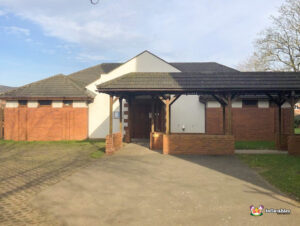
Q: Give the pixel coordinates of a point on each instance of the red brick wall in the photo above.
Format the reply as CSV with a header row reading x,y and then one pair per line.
x,y
198,144
45,123
249,124
294,145
214,121
156,141
113,142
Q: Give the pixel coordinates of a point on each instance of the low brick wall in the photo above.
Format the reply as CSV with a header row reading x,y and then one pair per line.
x,y
294,145
156,141
113,143
284,142
198,144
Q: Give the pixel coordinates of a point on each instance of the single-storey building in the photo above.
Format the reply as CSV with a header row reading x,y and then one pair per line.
x,y
77,106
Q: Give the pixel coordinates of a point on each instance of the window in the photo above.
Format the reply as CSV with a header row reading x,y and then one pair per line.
x,y
45,102
22,103
68,103
250,103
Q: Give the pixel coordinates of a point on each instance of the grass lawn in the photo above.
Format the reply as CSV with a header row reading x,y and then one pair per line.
x,y
282,171
255,145
93,148
297,130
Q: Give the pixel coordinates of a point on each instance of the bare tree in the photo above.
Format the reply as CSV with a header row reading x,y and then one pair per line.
x,y
254,63
278,47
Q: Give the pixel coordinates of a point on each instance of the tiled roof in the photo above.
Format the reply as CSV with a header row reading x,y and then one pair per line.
x,y
5,88
91,74
58,86
202,67
205,81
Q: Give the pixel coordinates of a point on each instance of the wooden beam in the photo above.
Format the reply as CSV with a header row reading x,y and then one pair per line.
x,y
152,115
115,99
173,99
110,115
224,118
129,123
220,99
233,96
229,115
292,117
162,99
279,125
167,107
121,111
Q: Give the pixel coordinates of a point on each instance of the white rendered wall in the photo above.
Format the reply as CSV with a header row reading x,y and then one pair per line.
x,y
145,62
286,105
263,104
32,104
213,104
99,109
188,113
12,104
57,104
79,104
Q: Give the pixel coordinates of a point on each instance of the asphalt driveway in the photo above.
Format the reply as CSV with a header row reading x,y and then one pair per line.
x,y
137,186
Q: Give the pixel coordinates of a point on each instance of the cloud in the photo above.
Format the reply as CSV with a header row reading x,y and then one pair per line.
x,y
16,30
175,29
85,57
2,13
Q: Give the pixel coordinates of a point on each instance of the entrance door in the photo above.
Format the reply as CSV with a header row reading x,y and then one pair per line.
x,y
140,119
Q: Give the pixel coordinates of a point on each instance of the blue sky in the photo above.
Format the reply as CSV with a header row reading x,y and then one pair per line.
x,y
42,38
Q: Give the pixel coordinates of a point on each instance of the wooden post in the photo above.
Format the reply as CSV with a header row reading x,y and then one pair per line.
x,y
121,111
279,125
167,105
128,132
229,115
152,116
224,118
292,117
110,114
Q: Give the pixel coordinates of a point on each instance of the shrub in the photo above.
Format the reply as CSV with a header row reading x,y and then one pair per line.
x,y
297,121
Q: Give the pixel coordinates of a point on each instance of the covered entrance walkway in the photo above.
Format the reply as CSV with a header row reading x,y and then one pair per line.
x,y
166,88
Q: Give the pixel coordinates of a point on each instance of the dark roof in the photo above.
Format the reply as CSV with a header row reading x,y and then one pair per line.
x,y
5,88
58,86
202,67
204,82
91,74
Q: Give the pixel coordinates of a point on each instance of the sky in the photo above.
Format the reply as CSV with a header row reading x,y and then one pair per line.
x,y
41,38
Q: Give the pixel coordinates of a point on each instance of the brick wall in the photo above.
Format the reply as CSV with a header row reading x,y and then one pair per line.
x,y
198,144
249,124
214,121
45,123
156,141
294,145
113,143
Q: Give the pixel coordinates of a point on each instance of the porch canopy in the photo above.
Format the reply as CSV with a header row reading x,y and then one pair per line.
x,y
279,87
